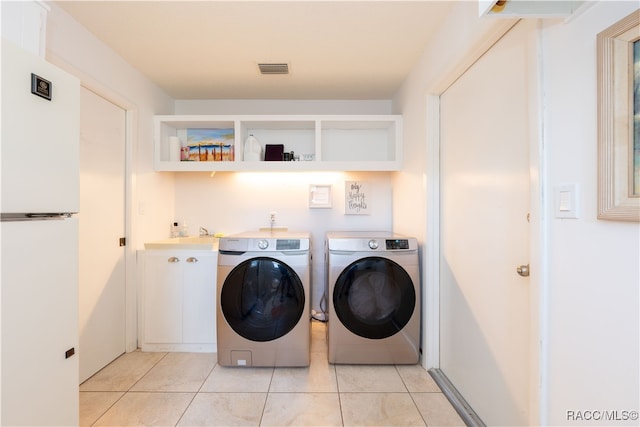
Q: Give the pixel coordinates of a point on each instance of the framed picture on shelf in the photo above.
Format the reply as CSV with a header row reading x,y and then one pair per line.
x,y
211,144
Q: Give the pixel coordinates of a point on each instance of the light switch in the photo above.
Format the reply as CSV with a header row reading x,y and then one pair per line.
x,y
565,201
566,197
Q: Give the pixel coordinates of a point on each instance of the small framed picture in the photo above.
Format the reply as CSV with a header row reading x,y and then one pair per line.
x,y
41,87
356,198
320,196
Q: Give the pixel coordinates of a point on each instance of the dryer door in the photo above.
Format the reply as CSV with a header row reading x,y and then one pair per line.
x,y
262,299
374,297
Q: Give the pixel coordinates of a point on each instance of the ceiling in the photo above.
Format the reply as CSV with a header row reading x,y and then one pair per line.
x,y
210,49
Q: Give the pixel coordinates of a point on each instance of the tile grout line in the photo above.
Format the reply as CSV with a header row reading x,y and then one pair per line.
x,y
197,391
266,398
124,393
411,396
147,373
335,373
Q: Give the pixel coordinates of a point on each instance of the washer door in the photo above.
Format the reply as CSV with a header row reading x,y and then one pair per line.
x,y
374,297
262,299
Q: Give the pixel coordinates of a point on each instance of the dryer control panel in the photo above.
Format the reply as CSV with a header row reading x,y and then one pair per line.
x,y
356,241
395,244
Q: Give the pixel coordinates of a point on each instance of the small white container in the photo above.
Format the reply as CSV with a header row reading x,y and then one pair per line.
x,y
174,149
184,230
252,149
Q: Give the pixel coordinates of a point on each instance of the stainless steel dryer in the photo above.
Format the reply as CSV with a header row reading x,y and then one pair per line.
x,y
263,316
374,298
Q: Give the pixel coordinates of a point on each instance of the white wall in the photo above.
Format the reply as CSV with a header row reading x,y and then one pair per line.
x,y
237,202
25,24
589,307
593,266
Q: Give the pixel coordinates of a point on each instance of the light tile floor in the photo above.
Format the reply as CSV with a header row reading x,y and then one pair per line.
x,y
191,389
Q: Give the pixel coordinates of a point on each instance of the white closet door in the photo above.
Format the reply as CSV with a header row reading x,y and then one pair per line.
x,y
484,303
102,224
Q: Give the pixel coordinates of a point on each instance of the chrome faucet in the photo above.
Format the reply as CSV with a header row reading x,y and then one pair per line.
x,y
203,232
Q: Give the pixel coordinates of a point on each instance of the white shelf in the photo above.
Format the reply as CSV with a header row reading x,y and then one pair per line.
x,y
334,143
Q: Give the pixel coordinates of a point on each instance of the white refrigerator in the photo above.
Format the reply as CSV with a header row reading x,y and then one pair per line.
x,y
39,232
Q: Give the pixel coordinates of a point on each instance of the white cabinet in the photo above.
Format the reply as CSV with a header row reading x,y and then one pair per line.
x,y
177,310
323,143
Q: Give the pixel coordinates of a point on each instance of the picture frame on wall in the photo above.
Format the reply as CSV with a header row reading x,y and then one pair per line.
x,y
357,198
618,62
320,196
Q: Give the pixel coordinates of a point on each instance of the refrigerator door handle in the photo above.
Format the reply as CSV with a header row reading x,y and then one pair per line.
x,y
60,215
35,216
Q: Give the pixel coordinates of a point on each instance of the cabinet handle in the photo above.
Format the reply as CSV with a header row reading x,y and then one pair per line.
x,y
173,259
192,259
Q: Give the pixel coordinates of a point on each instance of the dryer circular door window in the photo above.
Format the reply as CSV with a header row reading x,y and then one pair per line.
x,y
374,297
262,299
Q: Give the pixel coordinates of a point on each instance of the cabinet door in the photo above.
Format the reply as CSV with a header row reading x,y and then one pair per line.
x,y
163,297
199,309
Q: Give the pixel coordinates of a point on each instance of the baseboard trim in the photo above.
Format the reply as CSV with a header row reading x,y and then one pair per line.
x,y
466,412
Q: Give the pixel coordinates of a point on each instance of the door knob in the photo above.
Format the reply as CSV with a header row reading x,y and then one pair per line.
x,y
523,270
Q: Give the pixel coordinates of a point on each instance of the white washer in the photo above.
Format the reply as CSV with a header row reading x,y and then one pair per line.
x,y
374,298
262,290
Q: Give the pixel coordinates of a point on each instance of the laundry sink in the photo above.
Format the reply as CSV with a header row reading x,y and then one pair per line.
x,y
188,242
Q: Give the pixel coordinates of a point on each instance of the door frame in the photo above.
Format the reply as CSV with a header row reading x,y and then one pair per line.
x,y
538,209
131,142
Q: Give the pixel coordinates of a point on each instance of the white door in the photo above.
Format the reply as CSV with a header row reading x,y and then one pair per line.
x,y
484,305
102,224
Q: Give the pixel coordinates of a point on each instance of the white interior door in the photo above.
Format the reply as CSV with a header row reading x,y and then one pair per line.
x,y
484,303
102,224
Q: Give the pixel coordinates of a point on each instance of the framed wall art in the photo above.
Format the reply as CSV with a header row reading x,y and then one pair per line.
x,y
320,196
618,62
357,198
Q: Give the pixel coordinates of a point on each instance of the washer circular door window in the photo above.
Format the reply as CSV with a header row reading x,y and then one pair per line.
x,y
374,297
262,299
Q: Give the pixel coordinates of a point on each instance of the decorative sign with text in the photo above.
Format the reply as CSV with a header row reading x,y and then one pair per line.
x,y
356,198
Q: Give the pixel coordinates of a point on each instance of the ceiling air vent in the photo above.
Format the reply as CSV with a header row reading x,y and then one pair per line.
x,y
282,68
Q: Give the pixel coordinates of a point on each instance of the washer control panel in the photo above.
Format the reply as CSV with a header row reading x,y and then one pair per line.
x,y
260,244
281,244
288,244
